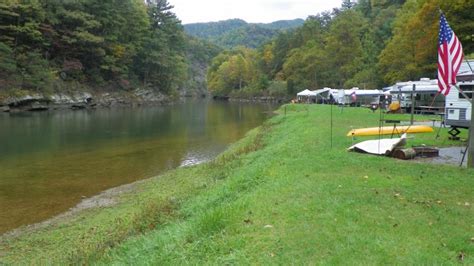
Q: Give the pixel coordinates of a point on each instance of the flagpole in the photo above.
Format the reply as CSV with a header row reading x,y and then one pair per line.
x,y
463,94
470,157
412,119
470,144
331,124
469,65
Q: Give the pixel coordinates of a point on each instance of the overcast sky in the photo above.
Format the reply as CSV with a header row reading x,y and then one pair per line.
x,y
190,11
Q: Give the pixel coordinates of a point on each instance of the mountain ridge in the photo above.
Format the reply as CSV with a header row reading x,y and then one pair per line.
x,y
236,32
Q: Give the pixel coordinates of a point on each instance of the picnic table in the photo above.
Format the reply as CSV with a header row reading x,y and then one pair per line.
x,y
429,110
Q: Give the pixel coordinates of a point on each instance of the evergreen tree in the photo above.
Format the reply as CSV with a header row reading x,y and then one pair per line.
x,y
160,62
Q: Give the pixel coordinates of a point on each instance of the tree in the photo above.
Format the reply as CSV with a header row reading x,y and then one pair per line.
x,y
123,28
459,14
344,46
21,60
411,53
8,68
235,70
307,67
160,61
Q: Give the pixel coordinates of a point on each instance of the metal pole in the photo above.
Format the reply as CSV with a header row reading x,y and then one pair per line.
x,y
331,124
463,94
469,64
413,105
470,151
470,157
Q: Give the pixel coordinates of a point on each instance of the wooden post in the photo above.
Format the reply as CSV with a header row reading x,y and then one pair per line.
x,y
412,120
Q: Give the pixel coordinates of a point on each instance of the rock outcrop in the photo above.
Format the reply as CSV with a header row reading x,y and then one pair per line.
x,y
81,100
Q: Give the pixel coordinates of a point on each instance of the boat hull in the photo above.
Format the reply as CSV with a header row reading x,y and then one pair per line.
x,y
375,131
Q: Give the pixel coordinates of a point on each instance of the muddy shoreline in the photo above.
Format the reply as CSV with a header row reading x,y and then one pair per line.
x,y
106,198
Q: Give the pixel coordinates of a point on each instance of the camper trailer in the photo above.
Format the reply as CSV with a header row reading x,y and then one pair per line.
x,y
427,98
458,108
356,97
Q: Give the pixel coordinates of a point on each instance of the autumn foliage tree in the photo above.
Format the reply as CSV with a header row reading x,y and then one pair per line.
x,y
116,45
371,44
234,70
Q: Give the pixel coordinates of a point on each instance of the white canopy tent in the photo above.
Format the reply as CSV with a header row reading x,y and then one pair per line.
x,y
316,96
305,96
363,97
306,93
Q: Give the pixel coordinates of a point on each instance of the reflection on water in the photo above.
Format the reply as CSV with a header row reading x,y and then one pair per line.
x,y
50,161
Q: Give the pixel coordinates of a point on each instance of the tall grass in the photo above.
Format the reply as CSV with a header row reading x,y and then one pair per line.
x,y
282,195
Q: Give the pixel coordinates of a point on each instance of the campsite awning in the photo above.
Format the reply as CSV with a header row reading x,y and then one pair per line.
x,y
306,93
424,85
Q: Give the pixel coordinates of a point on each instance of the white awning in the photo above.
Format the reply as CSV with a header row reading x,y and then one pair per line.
x,y
306,93
424,85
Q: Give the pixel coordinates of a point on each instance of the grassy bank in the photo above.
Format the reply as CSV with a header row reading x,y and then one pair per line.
x,y
281,195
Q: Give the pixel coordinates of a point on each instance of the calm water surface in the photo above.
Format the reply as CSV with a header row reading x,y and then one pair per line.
x,y
50,161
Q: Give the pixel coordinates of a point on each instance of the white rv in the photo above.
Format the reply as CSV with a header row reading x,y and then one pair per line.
x,y
356,96
458,108
426,94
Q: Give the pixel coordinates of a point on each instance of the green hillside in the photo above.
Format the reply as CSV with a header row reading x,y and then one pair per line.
x,y
236,32
368,44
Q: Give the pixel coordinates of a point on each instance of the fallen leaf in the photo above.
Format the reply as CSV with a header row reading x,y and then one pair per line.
x,y
268,226
461,256
467,204
366,177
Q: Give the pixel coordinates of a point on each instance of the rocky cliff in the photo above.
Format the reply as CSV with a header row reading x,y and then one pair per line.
x,y
81,100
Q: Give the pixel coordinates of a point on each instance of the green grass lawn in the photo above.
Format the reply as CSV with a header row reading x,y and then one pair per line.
x,y
282,195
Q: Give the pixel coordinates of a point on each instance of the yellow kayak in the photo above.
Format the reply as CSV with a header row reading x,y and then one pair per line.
x,y
389,130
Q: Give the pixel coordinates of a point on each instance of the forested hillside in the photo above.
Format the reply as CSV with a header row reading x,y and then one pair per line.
x,y
199,54
47,46
369,45
55,46
236,32
282,24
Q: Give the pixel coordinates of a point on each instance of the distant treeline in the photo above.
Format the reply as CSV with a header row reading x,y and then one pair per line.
x,y
369,45
49,44
234,32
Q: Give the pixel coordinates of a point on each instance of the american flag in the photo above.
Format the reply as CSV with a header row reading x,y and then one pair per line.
x,y
450,56
354,96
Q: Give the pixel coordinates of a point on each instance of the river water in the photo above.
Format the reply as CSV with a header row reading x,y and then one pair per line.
x,y
50,161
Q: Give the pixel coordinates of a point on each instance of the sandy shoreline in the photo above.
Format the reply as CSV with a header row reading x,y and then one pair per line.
x,y
106,198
